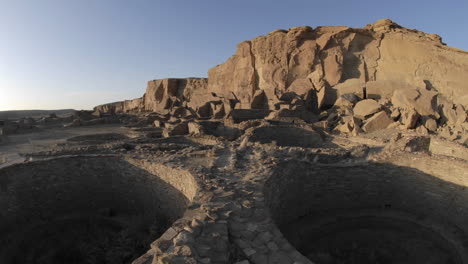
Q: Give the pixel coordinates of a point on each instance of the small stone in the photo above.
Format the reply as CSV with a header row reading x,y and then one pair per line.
x,y
395,114
272,246
158,123
247,204
184,250
323,115
384,102
237,226
176,129
194,128
464,139
212,215
322,125
346,100
410,118
279,258
251,227
445,133
259,258
461,114
205,260
332,117
242,243
343,128
196,223
249,251
249,235
431,125
422,130
395,124
188,229
160,245
169,234
183,238
265,237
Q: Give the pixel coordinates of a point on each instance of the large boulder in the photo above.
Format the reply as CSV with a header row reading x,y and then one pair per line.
x,y
351,86
379,89
377,122
423,101
177,129
365,108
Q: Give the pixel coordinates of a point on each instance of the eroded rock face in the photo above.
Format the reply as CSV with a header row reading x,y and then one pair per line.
x,y
384,57
162,96
384,54
298,73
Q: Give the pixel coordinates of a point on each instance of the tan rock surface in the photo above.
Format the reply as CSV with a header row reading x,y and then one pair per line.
x,y
385,88
443,147
377,122
412,68
366,108
409,118
423,101
351,86
410,57
431,125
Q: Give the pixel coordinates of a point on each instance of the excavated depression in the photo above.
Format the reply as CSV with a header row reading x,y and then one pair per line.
x,y
372,213
87,209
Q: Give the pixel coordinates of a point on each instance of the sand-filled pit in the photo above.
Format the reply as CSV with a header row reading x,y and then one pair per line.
x,y
371,213
87,209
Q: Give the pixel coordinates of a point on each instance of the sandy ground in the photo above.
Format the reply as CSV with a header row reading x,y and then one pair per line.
x,y
14,145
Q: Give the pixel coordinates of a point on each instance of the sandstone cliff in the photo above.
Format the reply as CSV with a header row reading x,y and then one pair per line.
x,y
161,96
336,60
309,69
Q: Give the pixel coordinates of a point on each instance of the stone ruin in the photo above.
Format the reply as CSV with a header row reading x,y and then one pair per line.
x,y
326,145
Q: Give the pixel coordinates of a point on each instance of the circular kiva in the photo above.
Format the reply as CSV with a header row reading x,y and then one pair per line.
x,y
373,212
102,209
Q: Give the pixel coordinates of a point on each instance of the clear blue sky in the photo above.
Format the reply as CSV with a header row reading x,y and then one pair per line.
x,y
80,53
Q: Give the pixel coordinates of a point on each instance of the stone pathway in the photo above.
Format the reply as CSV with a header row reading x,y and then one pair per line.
x,y
228,221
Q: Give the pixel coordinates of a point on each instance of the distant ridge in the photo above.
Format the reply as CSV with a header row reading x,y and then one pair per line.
x,y
15,114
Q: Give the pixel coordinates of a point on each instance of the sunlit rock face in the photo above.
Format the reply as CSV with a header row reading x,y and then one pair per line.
x,y
316,66
87,209
302,59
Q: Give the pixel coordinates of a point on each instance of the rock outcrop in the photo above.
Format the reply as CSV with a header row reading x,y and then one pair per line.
x,y
298,73
339,60
162,96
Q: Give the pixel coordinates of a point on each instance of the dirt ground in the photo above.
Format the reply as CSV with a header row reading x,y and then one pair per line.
x,y
13,147
252,189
